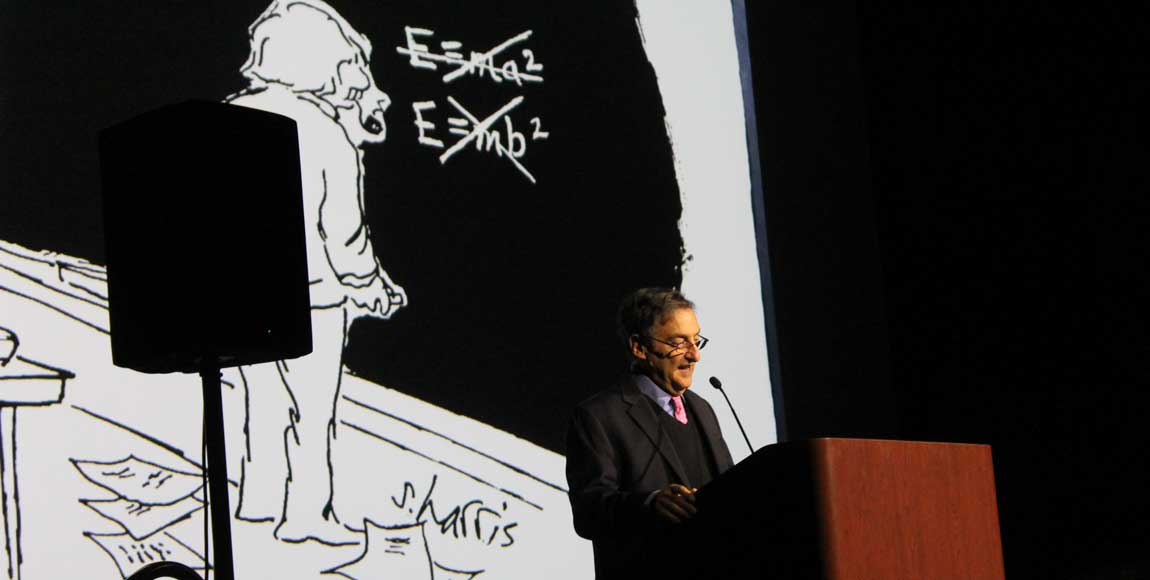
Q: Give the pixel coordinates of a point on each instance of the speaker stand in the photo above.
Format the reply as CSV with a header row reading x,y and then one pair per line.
x,y
217,468
217,465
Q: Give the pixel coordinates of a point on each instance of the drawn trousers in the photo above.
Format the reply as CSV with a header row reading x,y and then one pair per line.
x,y
289,427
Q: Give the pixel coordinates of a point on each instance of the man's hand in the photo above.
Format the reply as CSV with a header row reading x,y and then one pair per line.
x,y
379,297
674,503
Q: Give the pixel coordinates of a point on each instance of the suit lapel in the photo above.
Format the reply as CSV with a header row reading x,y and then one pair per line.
x,y
644,417
710,430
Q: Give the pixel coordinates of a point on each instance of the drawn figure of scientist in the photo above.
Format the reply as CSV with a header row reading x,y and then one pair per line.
x,y
309,64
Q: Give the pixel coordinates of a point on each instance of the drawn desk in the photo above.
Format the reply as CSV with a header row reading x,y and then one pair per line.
x,y
23,383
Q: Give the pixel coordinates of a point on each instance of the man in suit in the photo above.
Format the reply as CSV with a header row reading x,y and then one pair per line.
x,y
638,451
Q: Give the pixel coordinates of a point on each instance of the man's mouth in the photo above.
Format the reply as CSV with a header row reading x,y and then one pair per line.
x,y
373,126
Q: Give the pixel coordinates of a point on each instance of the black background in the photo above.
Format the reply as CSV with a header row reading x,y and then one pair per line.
x,y
976,177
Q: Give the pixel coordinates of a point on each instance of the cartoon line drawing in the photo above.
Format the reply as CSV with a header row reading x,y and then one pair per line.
x,y
9,342
479,134
326,85
149,498
480,505
472,519
131,555
83,285
403,551
120,463
471,129
511,143
478,64
152,504
375,409
23,383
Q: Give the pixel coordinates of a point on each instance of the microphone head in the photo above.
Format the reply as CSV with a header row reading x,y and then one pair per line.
x,y
715,383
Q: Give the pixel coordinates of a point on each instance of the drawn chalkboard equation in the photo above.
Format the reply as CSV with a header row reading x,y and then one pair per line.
x,y
504,140
478,64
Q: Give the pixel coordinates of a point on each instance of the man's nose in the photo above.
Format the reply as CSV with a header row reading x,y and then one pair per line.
x,y
693,353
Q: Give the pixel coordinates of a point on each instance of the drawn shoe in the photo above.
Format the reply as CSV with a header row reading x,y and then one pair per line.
x,y
323,531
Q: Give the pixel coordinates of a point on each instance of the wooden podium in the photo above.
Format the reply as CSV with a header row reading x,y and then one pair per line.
x,y
849,509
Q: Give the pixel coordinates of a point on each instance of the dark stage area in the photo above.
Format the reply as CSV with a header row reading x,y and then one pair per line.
x,y
981,274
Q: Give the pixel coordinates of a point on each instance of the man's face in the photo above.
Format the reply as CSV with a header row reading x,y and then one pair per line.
x,y
363,103
670,367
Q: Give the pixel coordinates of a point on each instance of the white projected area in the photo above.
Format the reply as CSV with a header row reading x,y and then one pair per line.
x,y
101,465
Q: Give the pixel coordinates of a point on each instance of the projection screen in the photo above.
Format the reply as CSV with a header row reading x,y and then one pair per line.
x,y
506,171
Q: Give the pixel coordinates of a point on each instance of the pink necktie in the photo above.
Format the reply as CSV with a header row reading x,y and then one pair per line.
x,y
680,411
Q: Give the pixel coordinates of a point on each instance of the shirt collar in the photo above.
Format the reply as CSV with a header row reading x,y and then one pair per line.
x,y
652,391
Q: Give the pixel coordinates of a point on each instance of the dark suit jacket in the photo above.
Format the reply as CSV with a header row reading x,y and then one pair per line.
x,y
617,454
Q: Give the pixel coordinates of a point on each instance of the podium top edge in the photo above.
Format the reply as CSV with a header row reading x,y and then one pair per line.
x,y
833,440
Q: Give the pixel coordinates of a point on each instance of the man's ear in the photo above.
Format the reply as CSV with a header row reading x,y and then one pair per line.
x,y
637,349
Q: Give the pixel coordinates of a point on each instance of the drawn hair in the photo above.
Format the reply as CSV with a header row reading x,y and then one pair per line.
x,y
642,309
278,55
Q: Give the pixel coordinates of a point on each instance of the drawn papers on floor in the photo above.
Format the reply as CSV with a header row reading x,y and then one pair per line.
x,y
149,498
142,520
131,555
140,481
397,552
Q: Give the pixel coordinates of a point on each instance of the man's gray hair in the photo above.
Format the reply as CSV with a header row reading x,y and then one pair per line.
x,y
301,43
642,309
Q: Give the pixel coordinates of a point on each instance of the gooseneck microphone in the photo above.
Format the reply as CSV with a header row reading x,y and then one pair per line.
x,y
718,385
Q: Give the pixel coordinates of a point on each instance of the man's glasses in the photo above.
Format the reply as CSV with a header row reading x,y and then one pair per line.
x,y
681,345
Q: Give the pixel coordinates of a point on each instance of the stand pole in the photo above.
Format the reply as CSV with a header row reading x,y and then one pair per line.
x,y
217,463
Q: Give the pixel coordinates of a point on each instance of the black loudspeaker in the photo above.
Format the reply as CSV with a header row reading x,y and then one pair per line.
x,y
204,238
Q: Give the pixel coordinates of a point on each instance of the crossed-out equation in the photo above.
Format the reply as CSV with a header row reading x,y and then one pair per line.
x,y
503,140
494,134
480,64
